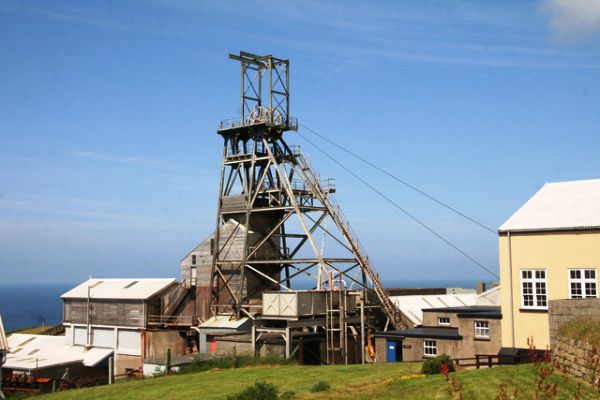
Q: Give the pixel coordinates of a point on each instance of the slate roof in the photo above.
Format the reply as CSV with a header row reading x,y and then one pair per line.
x,y
427,333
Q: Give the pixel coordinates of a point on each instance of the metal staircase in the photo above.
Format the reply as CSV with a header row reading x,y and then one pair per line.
x,y
314,183
176,299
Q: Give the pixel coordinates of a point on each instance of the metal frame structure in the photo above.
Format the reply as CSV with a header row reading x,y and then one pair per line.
x,y
280,204
3,352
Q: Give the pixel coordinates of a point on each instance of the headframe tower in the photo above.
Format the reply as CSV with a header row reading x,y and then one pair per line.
x,y
272,206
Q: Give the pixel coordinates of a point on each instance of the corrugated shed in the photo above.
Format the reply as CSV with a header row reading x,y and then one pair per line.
x,y
573,205
30,352
412,306
3,341
122,289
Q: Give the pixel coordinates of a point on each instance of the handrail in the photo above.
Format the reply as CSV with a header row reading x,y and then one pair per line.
x,y
260,118
176,299
314,183
182,320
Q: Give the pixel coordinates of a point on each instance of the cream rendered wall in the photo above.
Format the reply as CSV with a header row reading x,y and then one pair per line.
x,y
556,253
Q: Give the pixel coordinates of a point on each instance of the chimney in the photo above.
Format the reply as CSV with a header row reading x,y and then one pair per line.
x,y
480,287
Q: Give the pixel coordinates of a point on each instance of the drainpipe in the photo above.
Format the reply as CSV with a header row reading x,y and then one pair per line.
x,y
512,309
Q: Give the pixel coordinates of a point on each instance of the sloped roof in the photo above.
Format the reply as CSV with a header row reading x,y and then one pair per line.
x,y
412,306
3,341
122,289
490,297
223,322
559,206
427,332
39,351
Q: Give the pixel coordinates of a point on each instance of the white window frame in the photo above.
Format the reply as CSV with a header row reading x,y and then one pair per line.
x,y
439,321
538,280
584,281
482,329
428,346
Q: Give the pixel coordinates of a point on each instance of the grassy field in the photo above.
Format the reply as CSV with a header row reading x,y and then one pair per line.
x,y
585,331
386,381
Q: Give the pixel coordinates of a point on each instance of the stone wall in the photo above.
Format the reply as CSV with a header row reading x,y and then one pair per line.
x,y
570,310
577,357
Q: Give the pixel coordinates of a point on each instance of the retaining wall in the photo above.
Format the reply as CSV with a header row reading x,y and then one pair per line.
x,y
577,357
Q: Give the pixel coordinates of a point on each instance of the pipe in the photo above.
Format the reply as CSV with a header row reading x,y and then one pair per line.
x,y
510,274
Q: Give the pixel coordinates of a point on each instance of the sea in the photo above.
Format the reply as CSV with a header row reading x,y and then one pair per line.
x,y
30,305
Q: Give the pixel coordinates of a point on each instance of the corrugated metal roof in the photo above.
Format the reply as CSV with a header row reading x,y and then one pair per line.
x,y
38,351
124,289
412,306
222,322
559,206
3,341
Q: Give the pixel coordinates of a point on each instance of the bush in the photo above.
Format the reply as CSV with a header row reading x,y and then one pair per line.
x,y
258,391
433,366
320,386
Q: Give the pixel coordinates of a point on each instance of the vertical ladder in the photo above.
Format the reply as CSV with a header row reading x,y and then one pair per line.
x,y
336,325
335,211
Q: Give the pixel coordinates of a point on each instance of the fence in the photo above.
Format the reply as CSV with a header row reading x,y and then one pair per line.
x,y
486,360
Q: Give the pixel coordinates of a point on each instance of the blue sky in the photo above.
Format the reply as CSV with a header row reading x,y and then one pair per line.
x,y
109,156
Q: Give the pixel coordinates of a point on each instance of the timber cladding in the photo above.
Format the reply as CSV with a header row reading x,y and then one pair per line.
x,y
105,312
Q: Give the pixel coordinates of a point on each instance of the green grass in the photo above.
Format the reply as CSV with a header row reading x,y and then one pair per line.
x,y
585,331
217,384
385,381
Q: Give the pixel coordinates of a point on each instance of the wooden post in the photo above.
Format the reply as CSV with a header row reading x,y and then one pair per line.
x,y
168,362
489,361
2,361
301,350
111,370
477,361
362,328
288,343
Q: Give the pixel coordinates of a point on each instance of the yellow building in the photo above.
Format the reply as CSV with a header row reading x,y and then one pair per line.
x,y
549,249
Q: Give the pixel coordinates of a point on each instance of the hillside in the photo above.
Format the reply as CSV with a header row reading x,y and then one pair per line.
x,y
400,380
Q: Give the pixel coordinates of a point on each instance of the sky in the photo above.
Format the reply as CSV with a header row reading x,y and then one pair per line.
x,y
109,157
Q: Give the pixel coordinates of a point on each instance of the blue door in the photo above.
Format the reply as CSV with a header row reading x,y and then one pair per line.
x,y
391,350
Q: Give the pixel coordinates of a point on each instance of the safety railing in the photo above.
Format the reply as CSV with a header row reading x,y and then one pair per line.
x,y
314,182
173,320
232,123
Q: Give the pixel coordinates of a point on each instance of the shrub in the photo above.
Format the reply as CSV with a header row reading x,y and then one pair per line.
x,y
433,366
258,391
320,386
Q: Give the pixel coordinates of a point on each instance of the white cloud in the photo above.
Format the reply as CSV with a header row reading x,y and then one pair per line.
x,y
573,21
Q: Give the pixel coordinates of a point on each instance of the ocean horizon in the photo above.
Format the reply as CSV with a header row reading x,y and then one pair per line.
x,y
26,305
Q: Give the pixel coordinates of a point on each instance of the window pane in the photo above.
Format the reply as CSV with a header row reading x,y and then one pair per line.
x,y
575,290
541,301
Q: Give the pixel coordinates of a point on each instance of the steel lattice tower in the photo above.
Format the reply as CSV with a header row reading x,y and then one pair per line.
x,y
272,204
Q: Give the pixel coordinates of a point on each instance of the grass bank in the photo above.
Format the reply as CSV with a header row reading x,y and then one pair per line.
x,y
389,381
585,331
